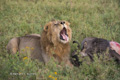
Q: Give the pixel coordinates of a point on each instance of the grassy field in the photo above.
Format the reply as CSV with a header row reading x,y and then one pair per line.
x,y
88,18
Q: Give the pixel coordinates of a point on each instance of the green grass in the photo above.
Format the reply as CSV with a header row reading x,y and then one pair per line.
x,y
88,18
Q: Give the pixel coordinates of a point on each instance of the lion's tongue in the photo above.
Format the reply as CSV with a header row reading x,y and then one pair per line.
x,y
64,37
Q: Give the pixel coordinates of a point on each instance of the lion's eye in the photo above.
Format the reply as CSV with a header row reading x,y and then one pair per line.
x,y
56,24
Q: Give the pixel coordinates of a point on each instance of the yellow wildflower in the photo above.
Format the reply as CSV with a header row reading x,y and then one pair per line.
x,y
56,73
55,78
32,48
27,47
49,76
25,58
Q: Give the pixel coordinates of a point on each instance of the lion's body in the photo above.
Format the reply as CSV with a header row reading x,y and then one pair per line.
x,y
26,44
47,45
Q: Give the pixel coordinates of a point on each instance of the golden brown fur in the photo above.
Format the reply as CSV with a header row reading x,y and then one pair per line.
x,y
54,41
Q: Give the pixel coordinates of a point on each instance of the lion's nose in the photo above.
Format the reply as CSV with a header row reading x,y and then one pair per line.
x,y
62,22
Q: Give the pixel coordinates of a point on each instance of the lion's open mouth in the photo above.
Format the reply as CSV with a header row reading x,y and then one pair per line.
x,y
63,34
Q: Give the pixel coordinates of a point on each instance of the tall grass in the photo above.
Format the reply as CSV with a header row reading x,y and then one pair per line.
x,y
88,18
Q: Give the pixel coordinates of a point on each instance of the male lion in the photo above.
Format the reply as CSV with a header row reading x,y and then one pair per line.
x,y
54,41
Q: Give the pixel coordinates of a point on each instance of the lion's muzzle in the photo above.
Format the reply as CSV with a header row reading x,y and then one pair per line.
x,y
64,35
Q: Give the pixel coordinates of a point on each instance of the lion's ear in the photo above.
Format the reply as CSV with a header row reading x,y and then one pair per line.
x,y
67,23
47,26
